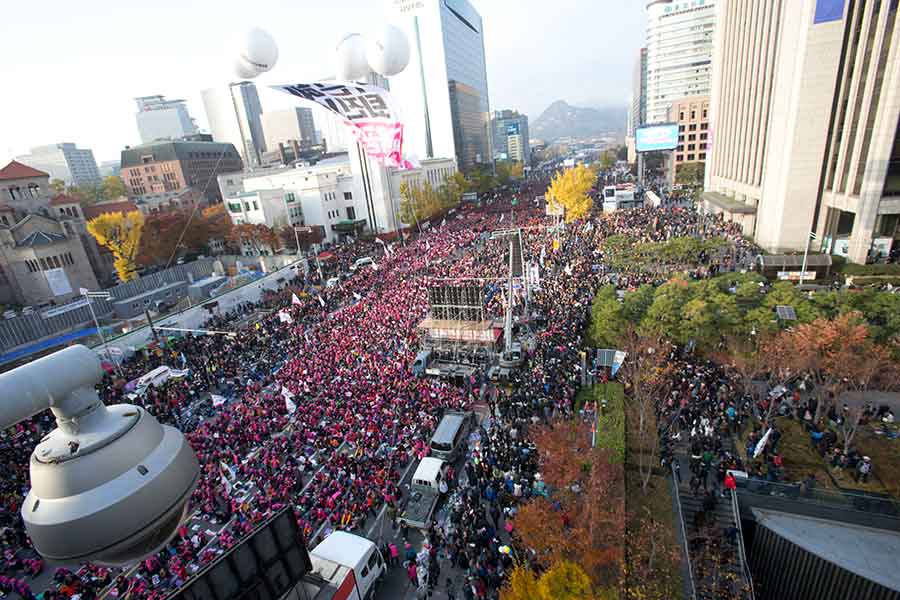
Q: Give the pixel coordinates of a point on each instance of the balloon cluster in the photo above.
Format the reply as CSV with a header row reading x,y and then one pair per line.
x,y
385,51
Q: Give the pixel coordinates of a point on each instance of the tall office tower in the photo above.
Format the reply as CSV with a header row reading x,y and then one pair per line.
x,y
511,136
161,119
75,166
443,93
224,106
804,110
639,92
679,52
289,125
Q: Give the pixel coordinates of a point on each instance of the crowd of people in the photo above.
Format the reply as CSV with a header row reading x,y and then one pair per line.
x,y
359,416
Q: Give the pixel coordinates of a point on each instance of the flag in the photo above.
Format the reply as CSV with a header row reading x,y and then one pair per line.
x,y
321,301
501,218
288,400
543,255
762,443
285,317
374,267
357,296
427,245
183,360
568,270
217,400
294,299
367,110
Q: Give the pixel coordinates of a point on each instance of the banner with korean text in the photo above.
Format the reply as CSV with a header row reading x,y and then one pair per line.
x,y
369,111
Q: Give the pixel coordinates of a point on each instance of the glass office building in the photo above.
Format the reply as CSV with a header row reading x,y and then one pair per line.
x,y
443,92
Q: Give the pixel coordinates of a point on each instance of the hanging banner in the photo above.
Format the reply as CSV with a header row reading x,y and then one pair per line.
x,y
369,111
58,282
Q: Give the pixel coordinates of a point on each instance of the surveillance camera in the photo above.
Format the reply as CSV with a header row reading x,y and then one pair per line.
x,y
110,484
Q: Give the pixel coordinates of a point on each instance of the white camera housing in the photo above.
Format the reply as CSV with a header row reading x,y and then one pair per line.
x,y
110,484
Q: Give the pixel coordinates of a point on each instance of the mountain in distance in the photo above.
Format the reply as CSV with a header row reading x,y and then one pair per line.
x,y
561,120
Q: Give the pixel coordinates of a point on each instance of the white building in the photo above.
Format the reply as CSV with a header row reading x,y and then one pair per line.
x,y
348,194
804,110
220,103
64,161
452,118
160,119
679,53
287,125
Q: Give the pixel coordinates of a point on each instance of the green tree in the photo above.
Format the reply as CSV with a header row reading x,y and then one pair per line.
x,y
664,317
58,186
482,180
607,322
112,187
457,185
607,160
690,174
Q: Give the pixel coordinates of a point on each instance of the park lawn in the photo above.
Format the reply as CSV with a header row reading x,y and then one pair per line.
x,y
799,456
885,455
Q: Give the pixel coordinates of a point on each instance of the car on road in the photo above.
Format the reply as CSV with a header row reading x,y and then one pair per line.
x,y
451,436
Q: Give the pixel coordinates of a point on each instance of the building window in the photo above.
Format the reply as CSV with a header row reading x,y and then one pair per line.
x,y
692,137
703,136
704,126
692,127
690,157
681,116
348,196
246,206
43,264
681,128
693,115
680,149
290,197
255,205
703,156
692,147
703,146
235,208
704,113
680,138
679,157
351,213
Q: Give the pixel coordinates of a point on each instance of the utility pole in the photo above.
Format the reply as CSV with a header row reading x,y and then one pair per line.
x,y
809,240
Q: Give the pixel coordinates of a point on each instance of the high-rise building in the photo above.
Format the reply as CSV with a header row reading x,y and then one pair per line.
x,y
289,125
639,93
169,167
692,116
75,166
235,117
161,119
511,136
804,110
679,52
443,93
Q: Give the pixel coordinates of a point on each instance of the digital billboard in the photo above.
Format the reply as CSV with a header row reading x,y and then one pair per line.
x,y
512,129
656,137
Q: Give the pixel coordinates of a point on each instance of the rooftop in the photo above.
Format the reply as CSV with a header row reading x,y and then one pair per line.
x,y
41,238
873,554
95,210
61,199
727,204
17,170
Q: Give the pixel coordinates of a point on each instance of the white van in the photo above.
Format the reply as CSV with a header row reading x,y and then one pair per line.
x,y
332,282
341,554
362,262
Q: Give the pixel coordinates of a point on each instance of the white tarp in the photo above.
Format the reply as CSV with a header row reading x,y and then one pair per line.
x,y
58,282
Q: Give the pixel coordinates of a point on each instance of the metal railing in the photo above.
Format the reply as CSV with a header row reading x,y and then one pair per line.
x,y
742,551
845,500
692,591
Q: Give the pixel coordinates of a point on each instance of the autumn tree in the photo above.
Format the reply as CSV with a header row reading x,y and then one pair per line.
x,y
584,522
121,234
690,174
58,186
645,372
259,237
419,202
571,188
565,580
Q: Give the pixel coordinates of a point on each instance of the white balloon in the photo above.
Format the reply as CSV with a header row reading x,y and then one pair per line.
x,y
258,49
351,58
387,50
244,70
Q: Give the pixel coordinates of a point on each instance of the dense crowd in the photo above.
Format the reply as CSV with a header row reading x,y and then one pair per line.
x,y
359,416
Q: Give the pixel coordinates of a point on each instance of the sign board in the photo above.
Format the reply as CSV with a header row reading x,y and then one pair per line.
x,y
795,275
656,137
61,310
512,129
555,209
407,8
828,11
58,282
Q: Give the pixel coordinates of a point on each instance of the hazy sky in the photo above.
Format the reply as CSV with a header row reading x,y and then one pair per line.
x,y
71,68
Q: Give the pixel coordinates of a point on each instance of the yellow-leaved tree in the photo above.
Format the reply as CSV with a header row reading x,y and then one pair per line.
x,y
571,189
121,234
420,202
565,580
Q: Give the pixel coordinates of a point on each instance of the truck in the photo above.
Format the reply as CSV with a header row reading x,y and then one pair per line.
x,y
344,567
424,492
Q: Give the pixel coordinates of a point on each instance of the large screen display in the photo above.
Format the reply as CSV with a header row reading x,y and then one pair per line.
x,y
656,137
